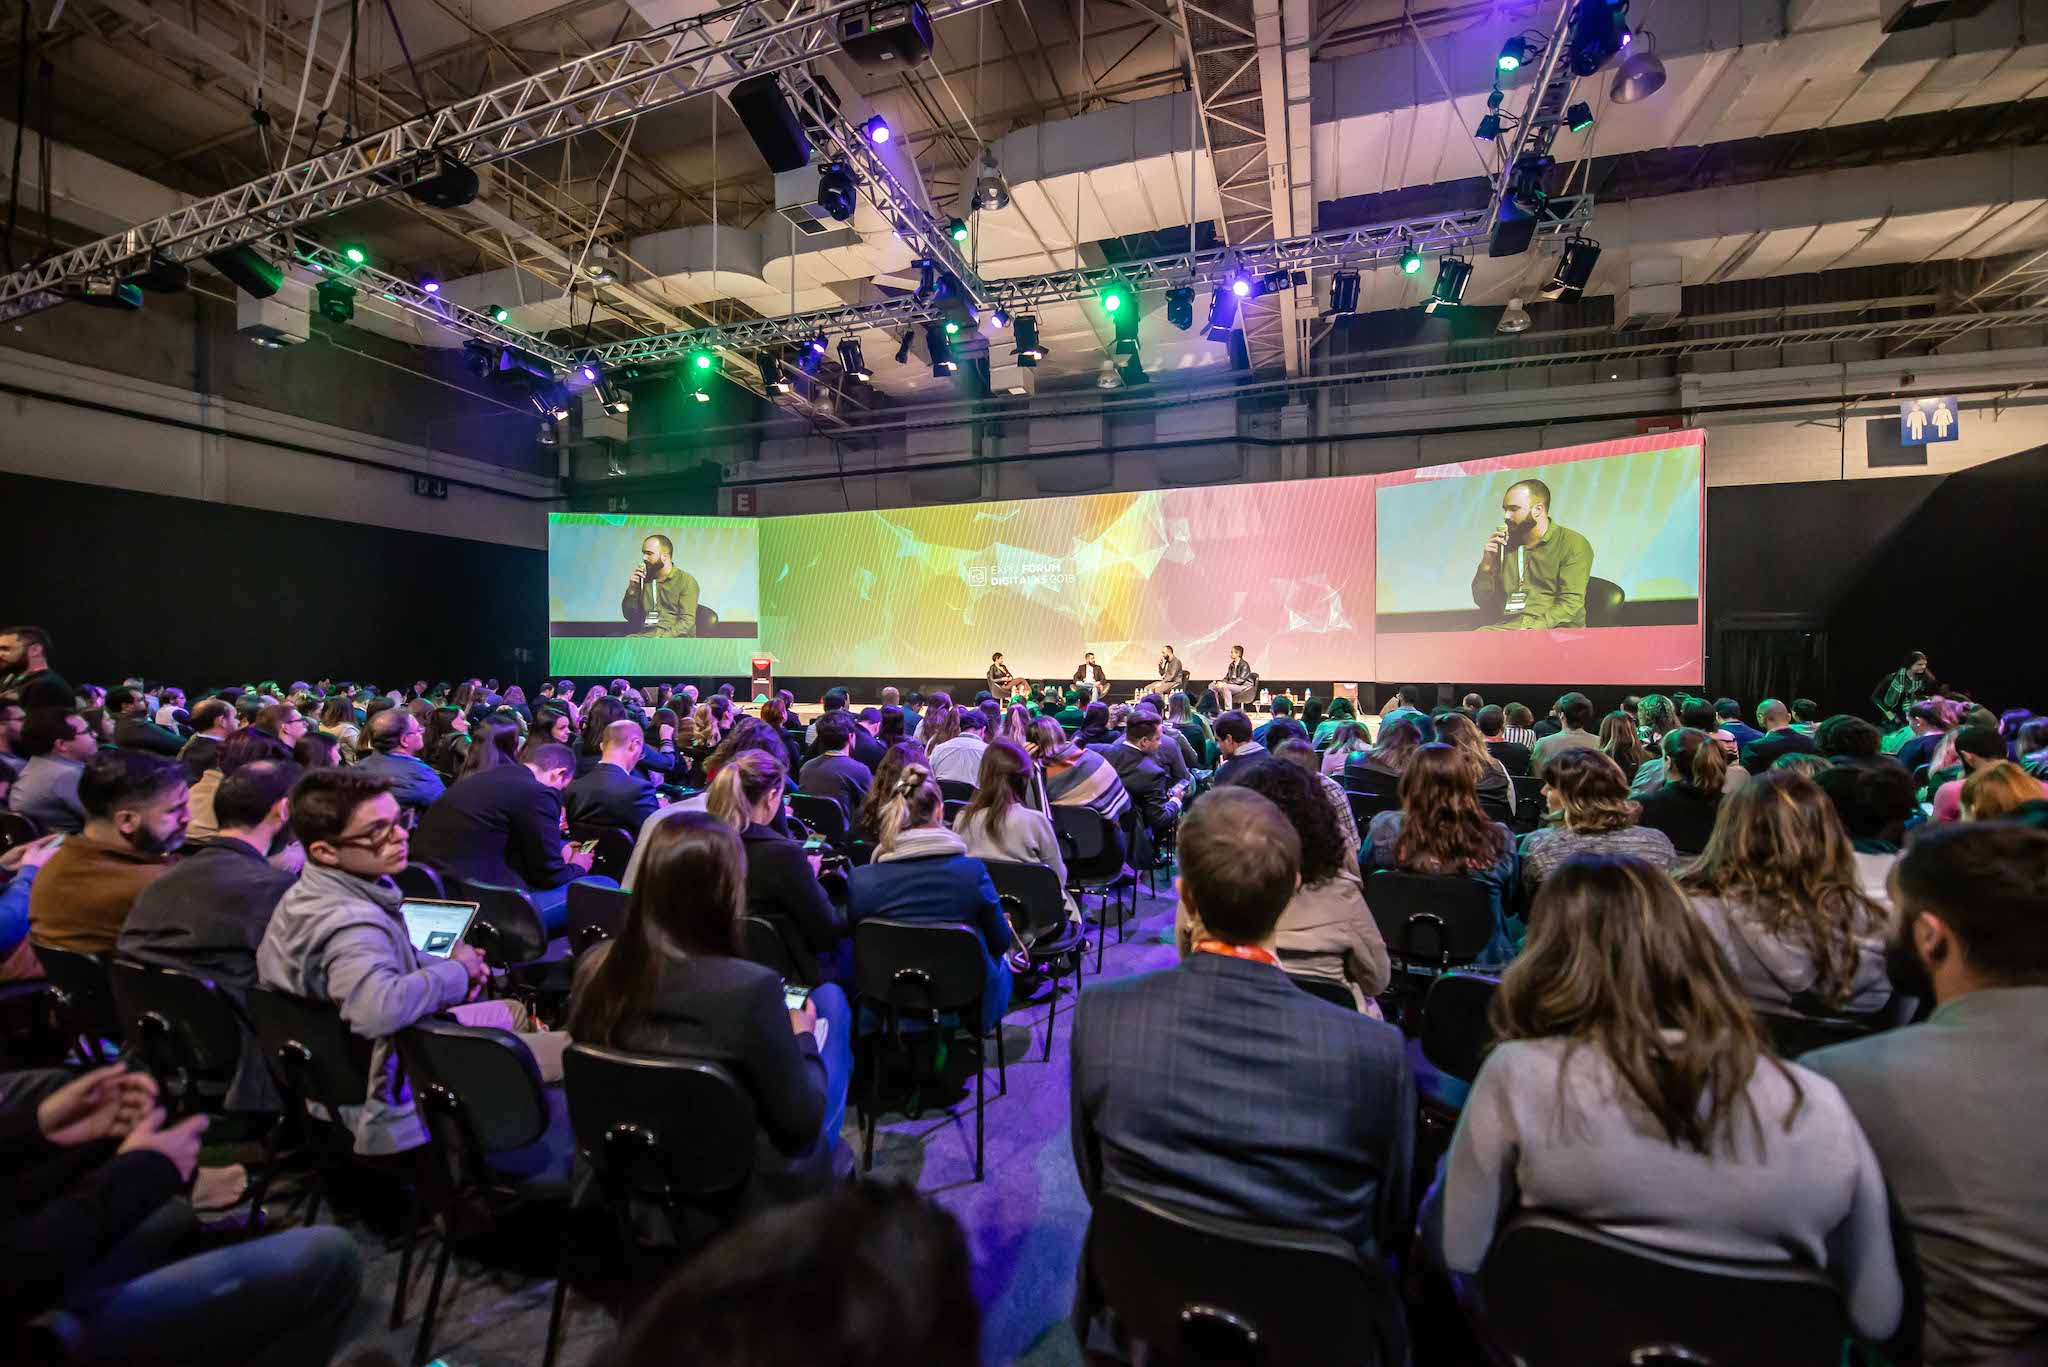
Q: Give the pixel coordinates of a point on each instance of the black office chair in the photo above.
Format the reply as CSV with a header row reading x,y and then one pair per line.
x,y
1456,1029
1529,803
1330,990
922,973
84,998
614,849
1366,806
953,809
1604,598
508,930
1498,809
1093,849
316,1059
955,790
1559,1293
1356,778
186,1031
16,829
1431,923
596,913
421,882
762,941
824,816
480,1092
1037,907
676,1134
1207,1291
1793,1033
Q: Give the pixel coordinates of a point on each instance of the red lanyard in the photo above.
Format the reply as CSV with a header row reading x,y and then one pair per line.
x,y
1252,952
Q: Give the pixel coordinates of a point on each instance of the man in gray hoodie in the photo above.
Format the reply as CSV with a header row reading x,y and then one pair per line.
x,y
337,936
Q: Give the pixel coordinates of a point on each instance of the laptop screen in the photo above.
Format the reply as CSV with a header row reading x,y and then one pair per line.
x,y
436,927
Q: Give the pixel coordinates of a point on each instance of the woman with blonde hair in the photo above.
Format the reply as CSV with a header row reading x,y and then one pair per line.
x,y
922,873
1999,789
1631,1087
1777,887
1457,730
338,719
1686,804
1587,797
1016,727
867,822
782,880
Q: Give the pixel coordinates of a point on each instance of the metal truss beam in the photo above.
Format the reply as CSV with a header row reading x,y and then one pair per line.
x,y
1536,128
591,92
1365,248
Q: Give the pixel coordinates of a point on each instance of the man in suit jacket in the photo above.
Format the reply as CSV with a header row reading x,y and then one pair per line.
x,y
133,730
1167,1066
867,744
1145,779
611,794
504,826
1780,738
834,772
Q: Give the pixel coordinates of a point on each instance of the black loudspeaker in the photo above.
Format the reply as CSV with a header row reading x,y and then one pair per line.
x,y
1513,230
1240,350
452,187
771,123
888,34
252,272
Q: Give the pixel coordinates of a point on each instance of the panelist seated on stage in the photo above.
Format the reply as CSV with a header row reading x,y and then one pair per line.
x,y
1172,673
1237,680
1001,682
1533,572
1090,678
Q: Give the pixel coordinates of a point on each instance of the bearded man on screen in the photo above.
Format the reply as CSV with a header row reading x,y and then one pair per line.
x,y
1533,572
660,599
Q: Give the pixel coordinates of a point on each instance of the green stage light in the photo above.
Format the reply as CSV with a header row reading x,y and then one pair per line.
x,y
1411,261
957,230
356,255
500,314
1114,296
952,328
703,360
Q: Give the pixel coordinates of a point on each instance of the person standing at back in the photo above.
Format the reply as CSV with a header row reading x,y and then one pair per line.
x,y
1218,1085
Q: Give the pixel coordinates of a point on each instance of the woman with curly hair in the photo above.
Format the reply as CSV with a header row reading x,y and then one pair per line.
x,y
1777,888
1587,796
1441,830
1327,931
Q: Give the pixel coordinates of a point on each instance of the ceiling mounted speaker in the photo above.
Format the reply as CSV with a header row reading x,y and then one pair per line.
x,y
453,186
251,271
765,113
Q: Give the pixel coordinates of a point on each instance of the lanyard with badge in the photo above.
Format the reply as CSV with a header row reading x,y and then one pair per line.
x,y
1254,953
1519,599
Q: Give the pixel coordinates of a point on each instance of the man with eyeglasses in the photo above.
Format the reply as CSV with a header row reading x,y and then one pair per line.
x,y
57,744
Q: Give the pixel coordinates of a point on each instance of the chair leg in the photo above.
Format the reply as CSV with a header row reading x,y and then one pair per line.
x,y
412,1234
426,1339
980,1082
555,1314
1101,932
1003,1060
1052,1012
867,1129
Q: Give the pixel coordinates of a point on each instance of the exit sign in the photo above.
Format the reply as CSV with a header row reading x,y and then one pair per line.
x,y
430,486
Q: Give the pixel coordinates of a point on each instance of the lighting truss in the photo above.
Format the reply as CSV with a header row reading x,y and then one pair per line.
x,y
1542,109
1363,248
688,58
431,306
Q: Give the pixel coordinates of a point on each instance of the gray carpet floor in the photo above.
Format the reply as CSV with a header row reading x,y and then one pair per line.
x,y
1024,1221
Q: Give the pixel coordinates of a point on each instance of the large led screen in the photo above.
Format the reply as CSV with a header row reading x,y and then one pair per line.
x,y
1579,565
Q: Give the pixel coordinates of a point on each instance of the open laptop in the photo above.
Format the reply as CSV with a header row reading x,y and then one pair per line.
x,y
436,927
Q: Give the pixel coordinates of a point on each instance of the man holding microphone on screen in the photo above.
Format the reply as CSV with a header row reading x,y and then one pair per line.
x,y
660,599
1533,572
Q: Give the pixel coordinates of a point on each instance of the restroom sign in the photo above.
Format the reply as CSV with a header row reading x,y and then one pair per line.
x,y
1924,420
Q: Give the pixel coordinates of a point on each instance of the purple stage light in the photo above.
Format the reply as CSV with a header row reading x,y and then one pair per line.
x,y
877,130
589,373
431,286
1240,287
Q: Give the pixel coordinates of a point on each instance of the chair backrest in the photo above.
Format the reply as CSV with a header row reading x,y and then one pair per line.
x,y
479,1087
822,814
1455,1026
1329,989
310,1048
1497,809
614,849
667,1129
508,928
1366,806
189,1033
1030,893
1529,803
1091,844
762,942
1793,1034
421,881
953,807
83,990
16,829
919,967
1430,917
1563,1294
1372,782
595,913
1200,1288
956,790
1604,598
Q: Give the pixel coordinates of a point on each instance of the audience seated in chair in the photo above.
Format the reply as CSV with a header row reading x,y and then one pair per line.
x,y
1003,823
1381,768
958,757
833,770
1303,756
1457,729
612,793
672,985
57,744
503,826
1170,1067
922,873
1075,776
1575,711
782,880
1955,1106
1620,1026
396,739
1588,795
1441,830
1686,801
1780,737
1327,931
1513,755
1135,757
1234,742
136,814
1777,889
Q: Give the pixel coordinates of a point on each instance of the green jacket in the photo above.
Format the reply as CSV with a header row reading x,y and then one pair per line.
x,y
673,601
1558,568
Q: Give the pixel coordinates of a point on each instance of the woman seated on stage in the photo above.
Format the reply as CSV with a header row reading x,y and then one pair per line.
x,y
673,985
1004,821
1441,830
1619,1026
1588,798
782,880
1688,802
922,872
1076,777
1777,889
1458,730
867,822
1371,770
1327,932
1346,740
